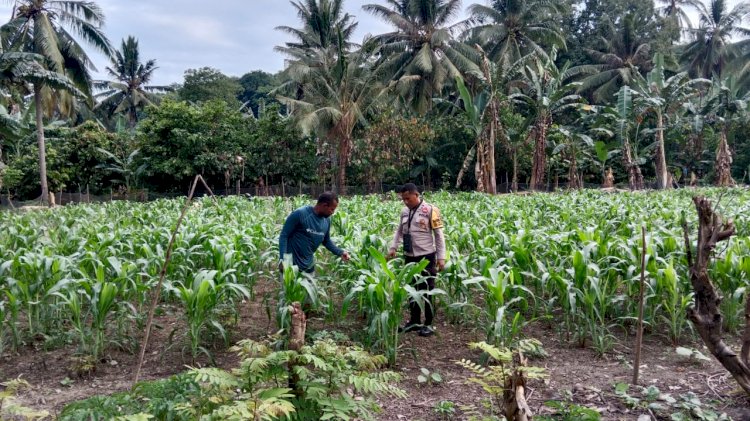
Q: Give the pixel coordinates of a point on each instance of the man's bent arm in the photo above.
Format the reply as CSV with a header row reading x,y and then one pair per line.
x,y
328,243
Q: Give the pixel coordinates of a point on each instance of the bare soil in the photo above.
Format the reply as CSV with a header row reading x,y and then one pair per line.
x,y
589,378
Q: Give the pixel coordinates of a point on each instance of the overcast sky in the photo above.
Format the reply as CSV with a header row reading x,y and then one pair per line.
x,y
234,36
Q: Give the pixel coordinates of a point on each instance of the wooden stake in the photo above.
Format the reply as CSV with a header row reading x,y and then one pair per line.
x,y
639,332
163,273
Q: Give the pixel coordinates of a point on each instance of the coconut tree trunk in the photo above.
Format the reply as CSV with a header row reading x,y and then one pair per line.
x,y
724,162
662,177
490,181
133,117
494,129
514,183
41,143
540,153
345,145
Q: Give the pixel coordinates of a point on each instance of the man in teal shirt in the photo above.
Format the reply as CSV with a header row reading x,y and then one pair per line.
x,y
306,229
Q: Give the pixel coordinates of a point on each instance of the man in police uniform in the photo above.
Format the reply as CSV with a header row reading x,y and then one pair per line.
x,y
420,229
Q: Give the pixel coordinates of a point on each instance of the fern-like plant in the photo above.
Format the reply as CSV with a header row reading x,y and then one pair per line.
x,y
10,409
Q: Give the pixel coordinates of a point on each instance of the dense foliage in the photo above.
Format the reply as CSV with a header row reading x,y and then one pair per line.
x,y
664,97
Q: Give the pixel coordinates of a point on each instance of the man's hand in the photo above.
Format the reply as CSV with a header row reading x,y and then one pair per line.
x,y
391,254
345,257
440,265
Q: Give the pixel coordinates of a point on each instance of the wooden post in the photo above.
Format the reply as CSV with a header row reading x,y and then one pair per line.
x,y
163,272
639,332
88,194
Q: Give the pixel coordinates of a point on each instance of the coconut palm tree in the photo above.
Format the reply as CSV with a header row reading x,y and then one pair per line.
x,y
129,93
511,29
323,21
675,11
712,49
621,58
44,27
339,89
421,56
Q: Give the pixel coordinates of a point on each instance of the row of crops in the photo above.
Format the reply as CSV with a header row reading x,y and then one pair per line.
x,y
84,274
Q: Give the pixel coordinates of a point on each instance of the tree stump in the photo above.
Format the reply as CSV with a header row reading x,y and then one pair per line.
x,y
299,325
296,342
514,395
705,314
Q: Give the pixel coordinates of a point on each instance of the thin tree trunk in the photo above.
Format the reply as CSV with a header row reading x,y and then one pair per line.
x,y
724,162
514,184
491,175
540,154
41,144
345,144
494,128
706,314
662,177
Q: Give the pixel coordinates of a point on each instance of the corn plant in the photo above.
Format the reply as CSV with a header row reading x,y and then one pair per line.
x,y
9,311
298,287
576,254
200,299
673,303
382,293
505,299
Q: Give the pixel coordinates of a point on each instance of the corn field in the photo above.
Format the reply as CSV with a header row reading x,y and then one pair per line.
x,y
83,274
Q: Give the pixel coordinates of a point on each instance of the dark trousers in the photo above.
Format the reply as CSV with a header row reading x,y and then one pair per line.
x,y
427,283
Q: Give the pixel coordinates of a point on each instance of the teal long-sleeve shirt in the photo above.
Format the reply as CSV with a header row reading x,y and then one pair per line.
x,y
303,233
